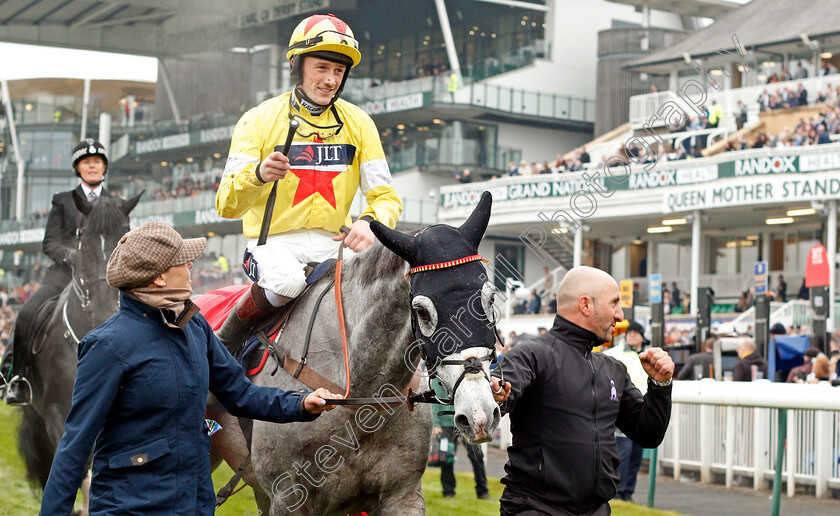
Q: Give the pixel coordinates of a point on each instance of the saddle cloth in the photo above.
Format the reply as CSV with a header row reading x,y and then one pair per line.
x,y
217,304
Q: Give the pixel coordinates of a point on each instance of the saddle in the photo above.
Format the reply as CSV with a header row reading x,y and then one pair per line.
x,y
254,354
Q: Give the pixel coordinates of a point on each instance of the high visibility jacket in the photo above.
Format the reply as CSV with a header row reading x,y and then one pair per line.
x,y
453,83
715,114
324,176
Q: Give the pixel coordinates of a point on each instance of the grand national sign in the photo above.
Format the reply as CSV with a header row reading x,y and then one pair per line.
x,y
537,189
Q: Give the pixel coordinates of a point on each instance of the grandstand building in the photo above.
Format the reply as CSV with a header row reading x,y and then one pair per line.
x,y
486,85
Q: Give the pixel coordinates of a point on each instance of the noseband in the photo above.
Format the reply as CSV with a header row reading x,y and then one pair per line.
x,y
472,365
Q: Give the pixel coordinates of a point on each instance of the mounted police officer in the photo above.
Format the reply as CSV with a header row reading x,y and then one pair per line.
x,y
90,163
335,151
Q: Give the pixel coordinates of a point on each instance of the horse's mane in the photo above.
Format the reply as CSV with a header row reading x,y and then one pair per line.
x,y
106,218
378,261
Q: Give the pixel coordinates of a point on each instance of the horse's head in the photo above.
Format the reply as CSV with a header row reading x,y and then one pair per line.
x,y
105,222
453,314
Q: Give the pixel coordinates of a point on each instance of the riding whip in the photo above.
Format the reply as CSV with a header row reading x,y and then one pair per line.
x,y
269,204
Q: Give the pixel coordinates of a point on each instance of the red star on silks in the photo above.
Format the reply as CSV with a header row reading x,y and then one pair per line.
x,y
311,181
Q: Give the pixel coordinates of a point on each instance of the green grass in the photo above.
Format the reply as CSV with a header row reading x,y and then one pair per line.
x,y
21,500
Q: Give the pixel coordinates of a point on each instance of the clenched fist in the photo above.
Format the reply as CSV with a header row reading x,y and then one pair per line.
x,y
658,364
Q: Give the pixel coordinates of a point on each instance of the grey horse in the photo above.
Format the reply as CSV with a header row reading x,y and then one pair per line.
x,y
372,458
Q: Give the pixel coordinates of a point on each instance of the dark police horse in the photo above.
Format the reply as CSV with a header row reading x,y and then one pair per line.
x,y
55,333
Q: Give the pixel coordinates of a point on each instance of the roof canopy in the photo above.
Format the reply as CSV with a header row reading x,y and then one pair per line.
x,y
772,26
700,8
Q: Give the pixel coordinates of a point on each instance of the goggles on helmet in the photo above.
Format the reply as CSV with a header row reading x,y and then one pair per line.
x,y
327,36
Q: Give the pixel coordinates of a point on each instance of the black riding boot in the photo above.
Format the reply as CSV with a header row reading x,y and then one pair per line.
x,y
251,309
18,391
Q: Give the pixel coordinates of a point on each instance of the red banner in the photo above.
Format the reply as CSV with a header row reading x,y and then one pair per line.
x,y
817,271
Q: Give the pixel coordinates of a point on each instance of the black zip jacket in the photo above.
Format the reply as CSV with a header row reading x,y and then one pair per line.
x,y
565,404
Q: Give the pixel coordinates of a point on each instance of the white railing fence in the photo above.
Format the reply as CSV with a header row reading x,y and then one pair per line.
x,y
726,429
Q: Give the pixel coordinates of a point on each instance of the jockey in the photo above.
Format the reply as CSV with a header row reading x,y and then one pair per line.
x,y
90,163
336,150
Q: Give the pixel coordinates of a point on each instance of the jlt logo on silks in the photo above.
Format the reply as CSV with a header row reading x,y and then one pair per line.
x,y
309,154
613,393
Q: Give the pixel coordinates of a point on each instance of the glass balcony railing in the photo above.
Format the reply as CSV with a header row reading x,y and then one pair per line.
x,y
532,103
433,153
510,100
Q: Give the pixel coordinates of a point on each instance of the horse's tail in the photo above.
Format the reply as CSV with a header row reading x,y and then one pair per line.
x,y
35,448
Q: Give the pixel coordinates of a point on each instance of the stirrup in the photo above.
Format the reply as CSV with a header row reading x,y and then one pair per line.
x,y
16,379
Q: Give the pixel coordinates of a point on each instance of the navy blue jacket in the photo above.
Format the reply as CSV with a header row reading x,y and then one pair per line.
x,y
140,393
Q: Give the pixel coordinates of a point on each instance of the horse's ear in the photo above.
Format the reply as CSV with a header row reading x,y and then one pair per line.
x,y
400,244
129,205
476,225
81,203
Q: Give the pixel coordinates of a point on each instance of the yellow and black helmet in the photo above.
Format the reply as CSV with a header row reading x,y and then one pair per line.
x,y
324,33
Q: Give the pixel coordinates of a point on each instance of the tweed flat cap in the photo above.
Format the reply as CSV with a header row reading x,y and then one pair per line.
x,y
145,253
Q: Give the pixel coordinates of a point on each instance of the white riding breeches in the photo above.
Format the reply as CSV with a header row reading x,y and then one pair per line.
x,y
281,260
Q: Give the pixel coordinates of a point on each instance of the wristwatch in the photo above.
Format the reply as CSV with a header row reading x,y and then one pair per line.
x,y
662,384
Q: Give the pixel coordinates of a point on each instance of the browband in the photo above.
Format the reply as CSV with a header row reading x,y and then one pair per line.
x,y
443,265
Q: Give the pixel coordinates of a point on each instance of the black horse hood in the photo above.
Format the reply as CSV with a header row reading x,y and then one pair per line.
x,y
451,295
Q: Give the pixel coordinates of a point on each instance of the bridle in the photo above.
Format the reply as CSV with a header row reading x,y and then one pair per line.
x,y
80,286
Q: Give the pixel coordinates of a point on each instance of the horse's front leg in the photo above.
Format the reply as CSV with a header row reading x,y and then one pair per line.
x,y
409,502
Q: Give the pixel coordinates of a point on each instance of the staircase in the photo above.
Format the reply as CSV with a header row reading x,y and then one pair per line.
x,y
560,251
793,313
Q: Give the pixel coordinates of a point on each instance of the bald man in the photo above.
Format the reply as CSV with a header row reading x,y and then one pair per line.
x,y
565,403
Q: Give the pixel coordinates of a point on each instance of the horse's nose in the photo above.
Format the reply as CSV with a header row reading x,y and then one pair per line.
x,y
478,422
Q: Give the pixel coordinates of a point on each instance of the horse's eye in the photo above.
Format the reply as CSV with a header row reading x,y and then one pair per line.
x,y
427,317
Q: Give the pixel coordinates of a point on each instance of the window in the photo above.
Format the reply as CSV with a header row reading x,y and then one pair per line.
x,y
508,256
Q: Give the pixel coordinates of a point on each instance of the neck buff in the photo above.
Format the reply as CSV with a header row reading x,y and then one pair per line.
x,y
162,297
300,99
